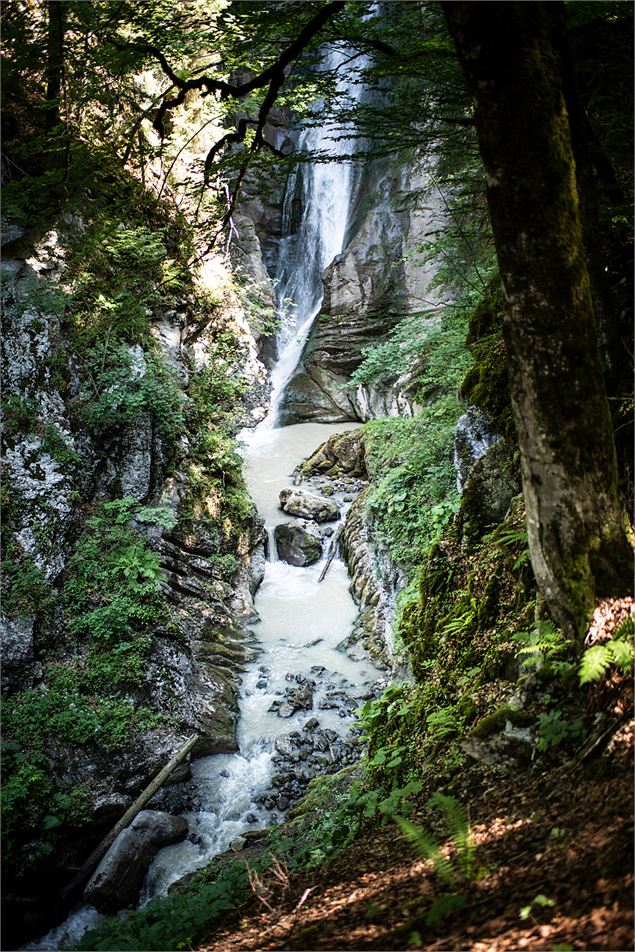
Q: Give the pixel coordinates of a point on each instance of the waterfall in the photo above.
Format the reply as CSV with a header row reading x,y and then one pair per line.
x,y
324,192
303,623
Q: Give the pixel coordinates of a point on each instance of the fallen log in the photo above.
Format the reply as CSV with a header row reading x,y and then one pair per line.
x,y
90,865
332,550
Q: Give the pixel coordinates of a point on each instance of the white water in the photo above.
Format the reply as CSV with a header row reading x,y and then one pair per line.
x,y
302,621
324,192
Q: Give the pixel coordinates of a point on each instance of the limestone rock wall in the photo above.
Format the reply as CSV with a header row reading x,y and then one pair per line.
x,y
368,289
55,471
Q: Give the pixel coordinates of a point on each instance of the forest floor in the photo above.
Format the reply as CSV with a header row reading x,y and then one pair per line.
x,y
554,841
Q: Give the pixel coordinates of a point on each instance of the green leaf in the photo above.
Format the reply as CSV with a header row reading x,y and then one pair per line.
x,y
428,848
595,662
443,907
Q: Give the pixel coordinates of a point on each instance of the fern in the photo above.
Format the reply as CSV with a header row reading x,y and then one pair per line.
x,y
457,824
459,828
597,660
428,848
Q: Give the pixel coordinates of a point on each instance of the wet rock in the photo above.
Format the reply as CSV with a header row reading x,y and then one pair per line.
x,y
284,745
251,818
320,742
282,803
118,879
298,542
18,653
311,724
474,434
300,698
297,502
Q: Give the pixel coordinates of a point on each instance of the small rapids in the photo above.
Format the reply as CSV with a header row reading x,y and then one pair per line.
x,y
302,622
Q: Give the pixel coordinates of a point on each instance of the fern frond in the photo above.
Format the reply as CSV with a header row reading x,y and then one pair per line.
x,y
428,848
622,654
595,662
458,827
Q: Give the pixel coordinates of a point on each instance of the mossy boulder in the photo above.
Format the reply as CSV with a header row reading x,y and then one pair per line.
x,y
299,542
342,454
493,482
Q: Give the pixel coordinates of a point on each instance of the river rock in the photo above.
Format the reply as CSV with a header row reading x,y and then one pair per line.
x,y
298,502
116,882
341,453
301,699
299,542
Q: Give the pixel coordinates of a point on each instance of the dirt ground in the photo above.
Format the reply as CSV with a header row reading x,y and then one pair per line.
x,y
554,841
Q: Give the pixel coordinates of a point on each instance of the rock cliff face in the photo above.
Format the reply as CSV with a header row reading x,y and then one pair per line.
x,y
59,472
367,290
375,580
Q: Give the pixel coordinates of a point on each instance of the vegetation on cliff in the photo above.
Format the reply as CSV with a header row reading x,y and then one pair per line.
x,y
131,129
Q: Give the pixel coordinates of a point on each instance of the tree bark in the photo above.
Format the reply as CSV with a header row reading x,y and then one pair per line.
x,y
90,865
578,537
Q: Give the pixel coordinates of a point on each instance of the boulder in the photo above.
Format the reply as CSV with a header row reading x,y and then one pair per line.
x,y
118,878
297,502
298,542
492,484
342,453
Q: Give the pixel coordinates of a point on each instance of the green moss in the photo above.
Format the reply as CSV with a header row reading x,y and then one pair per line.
x,y
493,723
25,592
485,385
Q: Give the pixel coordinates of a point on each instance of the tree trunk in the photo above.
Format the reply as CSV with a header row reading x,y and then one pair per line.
x,y
577,534
54,60
71,890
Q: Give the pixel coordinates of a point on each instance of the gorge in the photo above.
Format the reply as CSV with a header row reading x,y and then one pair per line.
x,y
266,486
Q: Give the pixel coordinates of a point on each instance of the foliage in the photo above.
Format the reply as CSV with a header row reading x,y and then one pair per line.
x,y
112,590
553,731
179,921
112,600
34,817
545,648
451,872
598,659
413,494
25,592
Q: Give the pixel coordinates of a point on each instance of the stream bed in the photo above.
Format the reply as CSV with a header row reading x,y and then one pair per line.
x,y
297,699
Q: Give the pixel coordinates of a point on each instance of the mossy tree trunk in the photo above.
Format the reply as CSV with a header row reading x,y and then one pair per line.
x,y
577,534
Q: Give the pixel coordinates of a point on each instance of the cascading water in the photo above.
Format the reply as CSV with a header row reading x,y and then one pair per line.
x,y
324,192
302,621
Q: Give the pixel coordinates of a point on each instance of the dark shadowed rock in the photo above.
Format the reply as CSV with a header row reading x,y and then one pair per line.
x,y
298,542
118,879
